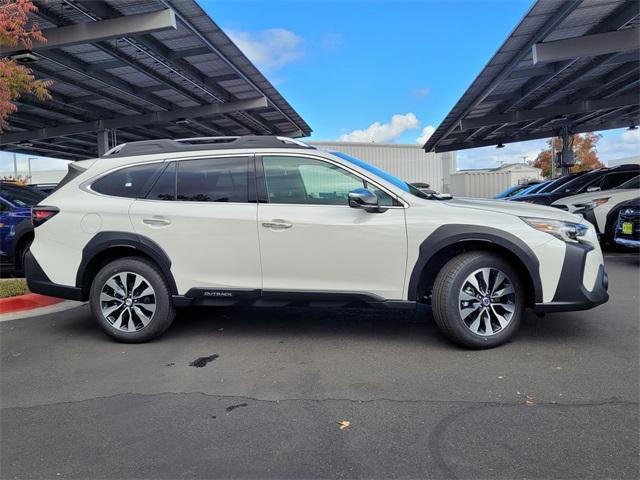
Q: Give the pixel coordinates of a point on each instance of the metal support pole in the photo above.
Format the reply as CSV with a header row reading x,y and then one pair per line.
x,y
103,142
15,165
553,157
567,160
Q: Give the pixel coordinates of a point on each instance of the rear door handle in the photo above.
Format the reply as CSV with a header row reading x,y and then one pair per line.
x,y
277,225
156,221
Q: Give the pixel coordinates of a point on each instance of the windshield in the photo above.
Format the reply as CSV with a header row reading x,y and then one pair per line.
x,y
529,190
23,197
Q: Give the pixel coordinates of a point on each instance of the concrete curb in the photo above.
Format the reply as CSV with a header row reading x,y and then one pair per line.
x,y
45,310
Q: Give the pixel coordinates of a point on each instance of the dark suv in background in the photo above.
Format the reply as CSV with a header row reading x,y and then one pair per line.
x,y
593,181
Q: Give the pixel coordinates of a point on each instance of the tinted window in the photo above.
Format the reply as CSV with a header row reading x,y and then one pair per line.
x,y
577,183
128,182
615,179
165,186
21,196
214,180
297,180
633,183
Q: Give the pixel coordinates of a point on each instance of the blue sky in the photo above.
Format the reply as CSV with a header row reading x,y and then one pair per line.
x,y
381,70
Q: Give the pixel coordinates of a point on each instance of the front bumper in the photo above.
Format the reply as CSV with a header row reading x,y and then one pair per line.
x,y
571,293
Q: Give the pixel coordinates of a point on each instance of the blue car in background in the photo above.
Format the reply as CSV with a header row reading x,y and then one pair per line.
x,y
16,231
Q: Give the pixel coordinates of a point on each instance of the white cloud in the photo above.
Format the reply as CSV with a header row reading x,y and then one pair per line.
x,y
426,133
269,49
615,145
383,132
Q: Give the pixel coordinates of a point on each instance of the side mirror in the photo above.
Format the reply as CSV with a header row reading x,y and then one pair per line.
x,y
593,189
365,199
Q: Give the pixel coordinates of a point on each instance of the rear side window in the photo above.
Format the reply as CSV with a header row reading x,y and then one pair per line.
x,y
214,180
130,182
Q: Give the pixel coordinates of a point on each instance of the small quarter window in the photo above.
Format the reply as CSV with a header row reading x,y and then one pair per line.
x,y
130,182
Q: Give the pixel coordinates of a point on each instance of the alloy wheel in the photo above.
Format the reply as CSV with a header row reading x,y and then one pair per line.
x,y
487,301
128,301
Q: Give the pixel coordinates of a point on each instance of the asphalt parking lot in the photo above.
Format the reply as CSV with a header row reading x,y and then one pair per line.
x,y
268,389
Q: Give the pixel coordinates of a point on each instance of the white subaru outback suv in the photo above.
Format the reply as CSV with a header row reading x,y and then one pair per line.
x,y
270,221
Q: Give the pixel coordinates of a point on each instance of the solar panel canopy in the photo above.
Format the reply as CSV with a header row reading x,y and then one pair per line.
x,y
188,80
584,76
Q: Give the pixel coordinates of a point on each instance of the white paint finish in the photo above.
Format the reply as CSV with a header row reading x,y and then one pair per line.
x,y
333,248
615,197
406,161
209,244
91,223
59,241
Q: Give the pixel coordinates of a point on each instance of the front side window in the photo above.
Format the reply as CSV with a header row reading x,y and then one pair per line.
x,y
130,182
306,181
614,180
214,180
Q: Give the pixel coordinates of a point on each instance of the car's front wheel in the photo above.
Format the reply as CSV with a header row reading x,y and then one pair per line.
x,y
131,301
478,300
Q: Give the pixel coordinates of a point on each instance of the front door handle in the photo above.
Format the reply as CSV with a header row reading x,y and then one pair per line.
x,y
277,225
156,221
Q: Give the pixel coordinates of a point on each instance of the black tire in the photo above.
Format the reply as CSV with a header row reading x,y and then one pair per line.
x,y
161,318
445,299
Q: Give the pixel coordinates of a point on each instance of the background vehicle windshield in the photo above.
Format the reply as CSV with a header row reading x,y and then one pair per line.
x,y
555,183
529,190
21,196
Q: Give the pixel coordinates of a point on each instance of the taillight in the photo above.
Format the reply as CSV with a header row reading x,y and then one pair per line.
x,y
39,215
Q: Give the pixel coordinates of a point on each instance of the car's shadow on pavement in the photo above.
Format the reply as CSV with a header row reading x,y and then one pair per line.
x,y
411,327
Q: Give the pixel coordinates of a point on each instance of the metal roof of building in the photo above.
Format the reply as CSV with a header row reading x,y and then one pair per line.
x,y
128,84
513,99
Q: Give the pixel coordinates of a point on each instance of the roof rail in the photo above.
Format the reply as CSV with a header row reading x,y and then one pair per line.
x,y
166,145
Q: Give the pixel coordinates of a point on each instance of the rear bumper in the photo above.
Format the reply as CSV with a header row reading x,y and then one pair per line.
x,y
571,293
38,282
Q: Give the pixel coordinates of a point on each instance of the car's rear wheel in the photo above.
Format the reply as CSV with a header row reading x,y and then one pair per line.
x,y
478,300
131,300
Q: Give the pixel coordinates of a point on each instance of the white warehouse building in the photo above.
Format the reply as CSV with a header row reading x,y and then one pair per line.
x,y
488,182
406,161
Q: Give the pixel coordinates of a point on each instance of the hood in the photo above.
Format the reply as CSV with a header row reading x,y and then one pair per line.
x,y
590,196
516,209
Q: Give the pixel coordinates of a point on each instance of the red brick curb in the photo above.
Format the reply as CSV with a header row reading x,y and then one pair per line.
x,y
26,302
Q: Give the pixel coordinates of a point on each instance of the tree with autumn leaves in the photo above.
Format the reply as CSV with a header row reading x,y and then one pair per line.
x,y
16,79
584,150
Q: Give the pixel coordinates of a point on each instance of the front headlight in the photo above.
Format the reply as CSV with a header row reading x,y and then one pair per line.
x,y
565,231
